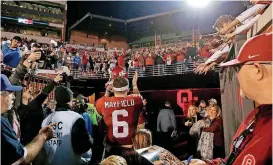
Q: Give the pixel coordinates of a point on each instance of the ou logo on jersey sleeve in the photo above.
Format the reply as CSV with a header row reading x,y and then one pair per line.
x,y
249,160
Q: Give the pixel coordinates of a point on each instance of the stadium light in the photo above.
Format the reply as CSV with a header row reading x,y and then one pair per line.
x,y
198,3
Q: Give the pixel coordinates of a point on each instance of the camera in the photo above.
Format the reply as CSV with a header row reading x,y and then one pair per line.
x,y
38,48
66,78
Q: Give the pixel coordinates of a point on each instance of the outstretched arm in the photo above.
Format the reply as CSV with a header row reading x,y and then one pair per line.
x,y
244,17
34,147
134,82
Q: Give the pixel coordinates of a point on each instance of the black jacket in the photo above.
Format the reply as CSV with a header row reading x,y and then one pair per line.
x,y
158,60
31,116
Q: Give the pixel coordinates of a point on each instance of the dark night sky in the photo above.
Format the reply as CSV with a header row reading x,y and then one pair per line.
x,y
205,17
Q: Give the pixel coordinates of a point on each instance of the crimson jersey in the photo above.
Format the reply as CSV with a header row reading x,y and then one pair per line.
x,y
121,116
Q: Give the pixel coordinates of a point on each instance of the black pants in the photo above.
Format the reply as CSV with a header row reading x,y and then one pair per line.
x,y
166,140
218,152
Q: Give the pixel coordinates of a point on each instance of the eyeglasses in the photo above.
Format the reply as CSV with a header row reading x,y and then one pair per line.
x,y
238,67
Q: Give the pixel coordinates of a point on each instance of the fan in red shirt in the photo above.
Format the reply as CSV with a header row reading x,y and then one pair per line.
x,y
180,57
205,52
121,60
141,60
84,61
149,60
252,143
122,115
136,60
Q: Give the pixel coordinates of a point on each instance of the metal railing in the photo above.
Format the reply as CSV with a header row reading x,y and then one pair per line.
x,y
147,71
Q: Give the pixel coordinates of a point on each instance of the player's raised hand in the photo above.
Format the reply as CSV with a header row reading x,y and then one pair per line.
x,y
134,82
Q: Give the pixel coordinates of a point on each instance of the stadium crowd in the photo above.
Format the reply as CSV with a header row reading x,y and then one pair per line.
x,y
91,61
67,131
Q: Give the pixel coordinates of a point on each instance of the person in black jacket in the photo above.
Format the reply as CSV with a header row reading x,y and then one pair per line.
x,y
148,113
91,62
159,59
32,114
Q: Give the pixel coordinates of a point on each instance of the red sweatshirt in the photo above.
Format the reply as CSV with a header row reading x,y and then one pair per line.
x,y
84,59
121,60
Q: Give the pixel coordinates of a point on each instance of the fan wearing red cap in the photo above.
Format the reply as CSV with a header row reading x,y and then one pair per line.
x,y
258,48
252,143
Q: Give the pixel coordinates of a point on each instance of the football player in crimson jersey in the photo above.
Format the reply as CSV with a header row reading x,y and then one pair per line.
x,y
122,115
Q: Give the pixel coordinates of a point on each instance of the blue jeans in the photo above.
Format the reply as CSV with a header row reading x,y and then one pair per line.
x,y
76,66
84,67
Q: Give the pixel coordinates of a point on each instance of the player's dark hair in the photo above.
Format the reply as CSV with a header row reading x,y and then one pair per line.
x,y
120,82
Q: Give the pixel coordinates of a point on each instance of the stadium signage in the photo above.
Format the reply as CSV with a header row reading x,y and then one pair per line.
x,y
56,25
25,21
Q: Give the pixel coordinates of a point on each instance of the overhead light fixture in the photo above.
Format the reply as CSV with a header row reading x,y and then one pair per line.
x,y
198,3
110,25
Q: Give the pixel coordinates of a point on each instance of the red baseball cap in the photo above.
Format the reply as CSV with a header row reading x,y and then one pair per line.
x,y
258,48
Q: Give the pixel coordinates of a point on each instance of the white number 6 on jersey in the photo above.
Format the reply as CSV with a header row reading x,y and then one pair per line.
x,y
122,124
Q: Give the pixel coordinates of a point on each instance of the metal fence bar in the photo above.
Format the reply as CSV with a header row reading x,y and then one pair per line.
x,y
154,70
